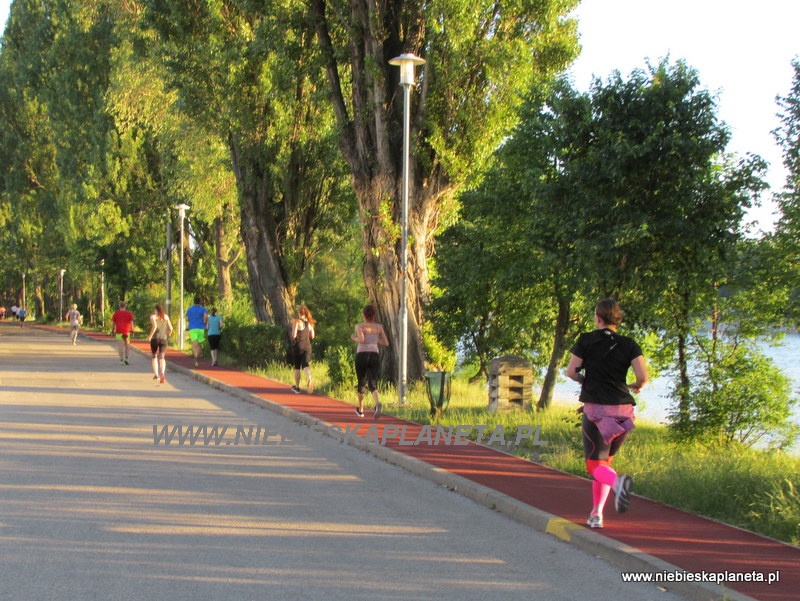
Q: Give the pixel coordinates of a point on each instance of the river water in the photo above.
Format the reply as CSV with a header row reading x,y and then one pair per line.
x,y
654,405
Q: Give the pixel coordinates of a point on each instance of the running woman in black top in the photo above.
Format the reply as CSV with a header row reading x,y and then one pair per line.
x,y
604,357
302,335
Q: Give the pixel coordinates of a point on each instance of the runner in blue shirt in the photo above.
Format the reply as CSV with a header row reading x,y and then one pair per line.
x,y
196,317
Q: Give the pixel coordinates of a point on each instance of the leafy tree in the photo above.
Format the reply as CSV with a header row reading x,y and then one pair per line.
x,y
740,396
333,289
480,57
192,167
665,205
786,240
618,192
249,76
27,143
477,305
96,190
508,272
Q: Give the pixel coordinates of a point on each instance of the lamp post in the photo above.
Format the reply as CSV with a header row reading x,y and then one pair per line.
x,y
182,208
23,290
168,260
61,294
103,293
407,64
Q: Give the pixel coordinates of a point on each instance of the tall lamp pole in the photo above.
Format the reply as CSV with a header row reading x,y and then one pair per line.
x,y
407,64
168,260
182,208
23,291
61,294
103,293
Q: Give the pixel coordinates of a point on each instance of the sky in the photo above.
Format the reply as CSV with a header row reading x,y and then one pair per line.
x,y
741,50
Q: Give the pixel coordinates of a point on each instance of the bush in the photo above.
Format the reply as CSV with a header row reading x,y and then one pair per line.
x,y
255,345
341,366
741,397
439,356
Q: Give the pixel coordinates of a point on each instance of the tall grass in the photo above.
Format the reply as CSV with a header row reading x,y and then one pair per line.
x,y
753,489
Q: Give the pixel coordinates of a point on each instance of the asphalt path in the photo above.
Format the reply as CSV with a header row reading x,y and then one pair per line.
x,y
95,505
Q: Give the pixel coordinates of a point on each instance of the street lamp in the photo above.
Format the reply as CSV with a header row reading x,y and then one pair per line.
x,y
182,208
103,293
407,64
23,290
168,260
61,294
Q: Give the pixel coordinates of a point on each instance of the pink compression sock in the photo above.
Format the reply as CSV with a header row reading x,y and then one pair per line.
x,y
604,474
604,478
599,496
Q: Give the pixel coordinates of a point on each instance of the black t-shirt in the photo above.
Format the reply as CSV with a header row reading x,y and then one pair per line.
x,y
607,356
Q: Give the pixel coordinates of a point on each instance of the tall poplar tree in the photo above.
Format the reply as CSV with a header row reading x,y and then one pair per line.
x,y
481,56
248,74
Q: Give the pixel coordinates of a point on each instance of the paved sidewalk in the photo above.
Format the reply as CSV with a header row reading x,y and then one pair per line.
x,y
651,537
93,507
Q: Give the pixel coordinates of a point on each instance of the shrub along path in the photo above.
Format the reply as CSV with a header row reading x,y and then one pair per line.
x,y
651,538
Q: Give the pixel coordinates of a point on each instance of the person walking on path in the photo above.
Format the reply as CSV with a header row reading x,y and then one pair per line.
x,y
214,330
74,318
607,413
21,315
160,331
369,335
122,327
196,317
302,334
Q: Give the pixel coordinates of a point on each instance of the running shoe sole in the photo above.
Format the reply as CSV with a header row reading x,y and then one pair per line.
x,y
622,494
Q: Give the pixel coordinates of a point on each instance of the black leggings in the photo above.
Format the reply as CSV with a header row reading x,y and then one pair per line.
x,y
367,369
301,357
594,447
158,347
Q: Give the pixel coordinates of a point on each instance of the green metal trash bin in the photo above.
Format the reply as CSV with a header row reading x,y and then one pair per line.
x,y
438,386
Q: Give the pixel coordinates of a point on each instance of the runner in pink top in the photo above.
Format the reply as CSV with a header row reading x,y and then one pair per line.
x,y
370,336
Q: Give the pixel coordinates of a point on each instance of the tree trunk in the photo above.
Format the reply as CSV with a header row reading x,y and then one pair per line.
x,y
224,262
272,298
563,321
383,281
371,133
682,392
38,301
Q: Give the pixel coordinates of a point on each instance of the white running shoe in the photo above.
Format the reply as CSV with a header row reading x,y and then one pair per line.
x,y
595,521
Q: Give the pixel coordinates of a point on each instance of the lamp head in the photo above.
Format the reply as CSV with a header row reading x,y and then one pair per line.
x,y
407,62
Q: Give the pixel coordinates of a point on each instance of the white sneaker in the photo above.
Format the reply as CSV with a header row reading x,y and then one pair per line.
x,y
595,521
